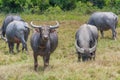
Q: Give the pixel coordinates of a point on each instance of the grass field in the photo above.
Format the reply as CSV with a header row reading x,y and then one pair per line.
x,y
63,62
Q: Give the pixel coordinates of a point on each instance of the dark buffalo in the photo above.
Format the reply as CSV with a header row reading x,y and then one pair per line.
x,y
7,20
104,21
86,42
17,32
44,43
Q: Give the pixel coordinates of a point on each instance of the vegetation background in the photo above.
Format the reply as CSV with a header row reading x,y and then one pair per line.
x,y
63,62
42,6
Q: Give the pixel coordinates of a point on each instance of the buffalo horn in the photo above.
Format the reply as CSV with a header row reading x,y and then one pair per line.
x,y
93,48
26,25
4,38
55,26
34,26
81,50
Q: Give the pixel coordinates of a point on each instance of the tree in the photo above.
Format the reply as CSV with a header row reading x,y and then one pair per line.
x,y
13,5
64,4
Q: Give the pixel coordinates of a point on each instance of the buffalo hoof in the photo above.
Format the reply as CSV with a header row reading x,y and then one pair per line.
x,y
79,60
12,52
26,52
18,50
114,39
47,68
35,69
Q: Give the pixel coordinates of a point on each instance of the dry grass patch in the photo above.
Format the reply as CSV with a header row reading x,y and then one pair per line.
x,y
63,62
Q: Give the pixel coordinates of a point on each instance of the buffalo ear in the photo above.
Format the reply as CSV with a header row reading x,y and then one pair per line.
x,y
37,30
52,30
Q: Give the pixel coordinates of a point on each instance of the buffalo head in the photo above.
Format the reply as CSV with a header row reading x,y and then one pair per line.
x,y
86,52
45,30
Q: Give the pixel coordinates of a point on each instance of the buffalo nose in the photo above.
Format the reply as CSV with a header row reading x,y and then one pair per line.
x,y
46,37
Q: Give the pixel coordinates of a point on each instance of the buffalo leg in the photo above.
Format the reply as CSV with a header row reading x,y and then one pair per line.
x,y
94,56
24,47
35,62
46,60
79,57
83,58
24,44
11,46
114,34
102,34
90,58
17,47
3,33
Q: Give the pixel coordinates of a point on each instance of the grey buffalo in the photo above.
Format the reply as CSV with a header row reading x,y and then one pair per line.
x,y
7,20
43,42
104,21
86,42
17,32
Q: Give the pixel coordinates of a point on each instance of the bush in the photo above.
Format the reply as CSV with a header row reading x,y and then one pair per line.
x,y
64,4
68,4
85,8
113,6
41,6
12,5
53,10
33,6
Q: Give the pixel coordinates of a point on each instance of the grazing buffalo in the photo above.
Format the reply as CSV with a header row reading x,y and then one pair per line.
x,y
104,21
86,42
7,20
44,42
17,32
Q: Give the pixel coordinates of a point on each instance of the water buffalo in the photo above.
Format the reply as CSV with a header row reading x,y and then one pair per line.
x,y
17,32
104,21
43,43
86,42
7,20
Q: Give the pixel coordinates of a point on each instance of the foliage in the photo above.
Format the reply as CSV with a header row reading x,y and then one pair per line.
x,y
98,3
113,5
41,6
12,5
64,4
85,8
53,10
67,4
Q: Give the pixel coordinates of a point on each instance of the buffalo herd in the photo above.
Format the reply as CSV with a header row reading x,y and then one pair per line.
x,y
44,40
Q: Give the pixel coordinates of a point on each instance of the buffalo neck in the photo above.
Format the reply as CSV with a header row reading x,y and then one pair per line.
x,y
43,43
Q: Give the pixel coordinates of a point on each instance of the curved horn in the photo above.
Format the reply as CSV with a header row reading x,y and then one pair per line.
x,y
4,38
94,47
81,50
55,26
1,35
34,26
27,25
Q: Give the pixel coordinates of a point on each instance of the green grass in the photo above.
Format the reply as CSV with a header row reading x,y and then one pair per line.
x,y
63,62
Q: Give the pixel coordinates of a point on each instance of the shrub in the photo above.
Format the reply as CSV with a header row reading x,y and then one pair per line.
x,y
39,6
53,10
85,8
113,6
64,4
12,5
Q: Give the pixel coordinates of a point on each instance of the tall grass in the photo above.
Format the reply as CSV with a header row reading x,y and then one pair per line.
x,y
63,62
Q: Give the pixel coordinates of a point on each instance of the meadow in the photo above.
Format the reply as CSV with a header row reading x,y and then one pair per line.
x,y
63,61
